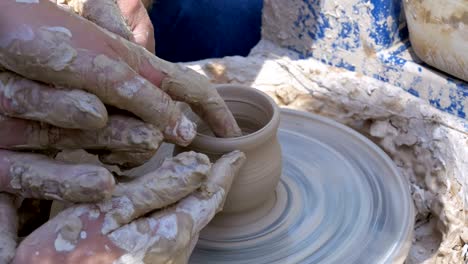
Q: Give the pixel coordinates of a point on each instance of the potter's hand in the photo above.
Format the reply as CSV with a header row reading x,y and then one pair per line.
x,y
49,44
126,18
43,42
37,176
127,228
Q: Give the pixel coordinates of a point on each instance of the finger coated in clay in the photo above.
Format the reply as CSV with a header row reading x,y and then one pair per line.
x,y
81,55
36,176
121,134
23,98
62,240
176,178
104,13
168,236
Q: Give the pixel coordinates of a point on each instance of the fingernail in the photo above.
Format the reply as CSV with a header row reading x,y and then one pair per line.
x,y
236,158
186,130
88,111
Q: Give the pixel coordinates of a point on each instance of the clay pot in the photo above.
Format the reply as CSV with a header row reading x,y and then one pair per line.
x,y
259,117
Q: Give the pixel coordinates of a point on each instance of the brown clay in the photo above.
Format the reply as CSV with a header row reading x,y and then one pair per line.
x,y
258,117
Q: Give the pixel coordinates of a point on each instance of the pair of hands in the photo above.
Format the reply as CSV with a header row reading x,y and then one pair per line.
x,y
59,72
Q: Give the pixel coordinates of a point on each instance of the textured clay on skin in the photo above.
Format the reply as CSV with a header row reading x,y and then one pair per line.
x,y
33,176
63,54
68,229
186,85
131,87
184,128
119,210
186,173
157,189
136,88
62,245
179,225
168,234
27,99
68,235
104,13
121,134
44,48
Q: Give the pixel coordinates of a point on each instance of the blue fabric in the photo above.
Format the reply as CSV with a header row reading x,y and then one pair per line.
x,y
188,30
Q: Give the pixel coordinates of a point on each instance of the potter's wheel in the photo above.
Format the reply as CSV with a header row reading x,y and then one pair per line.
x,y
340,200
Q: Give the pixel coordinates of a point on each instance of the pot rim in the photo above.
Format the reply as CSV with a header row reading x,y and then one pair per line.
x,y
206,143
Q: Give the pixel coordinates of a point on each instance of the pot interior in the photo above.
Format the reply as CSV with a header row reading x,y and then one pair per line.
x,y
250,117
251,109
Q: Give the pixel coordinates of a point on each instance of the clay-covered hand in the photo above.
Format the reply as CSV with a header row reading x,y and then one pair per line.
x,y
126,18
43,42
66,68
36,176
129,228
59,70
